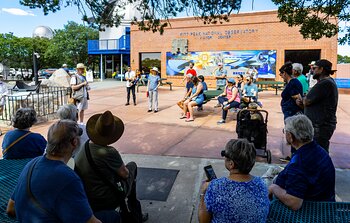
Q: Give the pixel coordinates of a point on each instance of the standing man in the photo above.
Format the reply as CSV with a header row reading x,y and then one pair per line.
x,y
320,104
53,192
130,86
152,89
310,75
79,86
191,71
298,74
220,76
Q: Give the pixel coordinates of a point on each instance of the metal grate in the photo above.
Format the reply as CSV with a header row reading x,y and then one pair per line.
x,y
320,212
9,173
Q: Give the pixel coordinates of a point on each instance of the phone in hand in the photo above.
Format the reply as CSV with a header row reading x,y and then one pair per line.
x,y
209,172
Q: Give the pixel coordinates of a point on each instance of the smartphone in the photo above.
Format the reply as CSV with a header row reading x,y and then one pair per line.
x,y
209,172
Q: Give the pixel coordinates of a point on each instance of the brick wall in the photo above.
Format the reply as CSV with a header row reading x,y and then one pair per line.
x,y
270,35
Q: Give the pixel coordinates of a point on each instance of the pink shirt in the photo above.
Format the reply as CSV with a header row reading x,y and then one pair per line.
x,y
229,94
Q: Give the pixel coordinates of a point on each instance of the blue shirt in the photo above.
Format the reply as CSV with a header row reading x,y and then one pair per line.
x,y
251,90
218,73
189,85
288,104
205,87
231,201
57,188
310,175
31,146
153,82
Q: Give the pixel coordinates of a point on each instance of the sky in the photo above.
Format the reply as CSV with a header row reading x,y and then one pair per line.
x,y
22,21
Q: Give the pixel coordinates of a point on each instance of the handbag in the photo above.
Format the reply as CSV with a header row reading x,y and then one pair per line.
x,y
130,210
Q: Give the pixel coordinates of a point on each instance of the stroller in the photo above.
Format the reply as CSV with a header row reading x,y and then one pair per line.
x,y
252,125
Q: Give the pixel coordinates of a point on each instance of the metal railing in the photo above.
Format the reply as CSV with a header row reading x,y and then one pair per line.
x,y
45,103
123,43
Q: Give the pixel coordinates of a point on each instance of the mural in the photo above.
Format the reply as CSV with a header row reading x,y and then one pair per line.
x,y
260,63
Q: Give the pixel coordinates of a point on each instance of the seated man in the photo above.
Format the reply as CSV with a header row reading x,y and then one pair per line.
x,y
54,193
107,180
230,98
250,93
310,175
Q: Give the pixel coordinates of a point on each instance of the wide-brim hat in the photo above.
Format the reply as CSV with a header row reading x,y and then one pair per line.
x,y
80,66
104,129
155,69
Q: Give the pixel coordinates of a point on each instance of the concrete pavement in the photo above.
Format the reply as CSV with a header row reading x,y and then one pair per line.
x,y
162,140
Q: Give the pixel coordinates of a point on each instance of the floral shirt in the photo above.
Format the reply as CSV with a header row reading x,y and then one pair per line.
x,y
231,201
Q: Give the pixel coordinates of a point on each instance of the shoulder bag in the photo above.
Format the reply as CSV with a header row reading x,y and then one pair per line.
x,y
16,141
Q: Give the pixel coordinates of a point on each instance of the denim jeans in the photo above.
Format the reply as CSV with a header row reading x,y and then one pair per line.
x,y
233,104
132,89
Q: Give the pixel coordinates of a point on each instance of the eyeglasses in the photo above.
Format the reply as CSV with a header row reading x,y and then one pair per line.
x,y
314,67
223,154
285,131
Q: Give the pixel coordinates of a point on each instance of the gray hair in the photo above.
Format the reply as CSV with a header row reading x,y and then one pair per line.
x,y
24,118
60,136
68,111
242,153
298,67
301,127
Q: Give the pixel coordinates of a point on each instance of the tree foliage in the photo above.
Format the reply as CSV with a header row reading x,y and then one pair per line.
x,y
69,45
315,17
343,59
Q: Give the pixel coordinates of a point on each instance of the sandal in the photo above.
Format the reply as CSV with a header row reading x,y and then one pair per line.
x,y
189,120
182,117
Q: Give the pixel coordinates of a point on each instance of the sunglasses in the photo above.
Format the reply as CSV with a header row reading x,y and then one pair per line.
x,y
224,154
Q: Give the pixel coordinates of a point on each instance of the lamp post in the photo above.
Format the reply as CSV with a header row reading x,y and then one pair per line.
x,y
41,32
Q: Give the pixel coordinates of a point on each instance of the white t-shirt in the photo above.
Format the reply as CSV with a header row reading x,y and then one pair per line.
x,y
129,75
3,92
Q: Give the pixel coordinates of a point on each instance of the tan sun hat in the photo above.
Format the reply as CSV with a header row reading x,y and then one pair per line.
x,y
104,129
80,66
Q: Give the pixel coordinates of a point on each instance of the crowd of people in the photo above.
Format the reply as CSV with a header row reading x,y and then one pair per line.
x,y
102,188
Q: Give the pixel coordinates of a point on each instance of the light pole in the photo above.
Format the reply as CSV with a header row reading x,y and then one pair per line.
x,y
41,32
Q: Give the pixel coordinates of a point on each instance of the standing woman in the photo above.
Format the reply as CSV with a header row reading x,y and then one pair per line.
x,y
292,91
196,98
3,94
152,88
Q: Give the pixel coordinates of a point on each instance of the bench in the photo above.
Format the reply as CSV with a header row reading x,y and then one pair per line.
x,y
320,212
265,85
210,94
167,82
9,173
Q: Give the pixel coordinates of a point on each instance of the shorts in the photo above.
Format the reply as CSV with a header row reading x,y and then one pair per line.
x,y
83,104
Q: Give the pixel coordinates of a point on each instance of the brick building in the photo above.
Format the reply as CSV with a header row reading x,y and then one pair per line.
x,y
250,40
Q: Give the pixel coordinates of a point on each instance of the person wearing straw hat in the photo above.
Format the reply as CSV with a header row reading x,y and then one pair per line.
x,y
79,86
152,88
108,181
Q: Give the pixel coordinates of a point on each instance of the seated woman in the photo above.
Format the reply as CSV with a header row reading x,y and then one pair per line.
x,y
239,197
205,88
196,98
230,98
21,143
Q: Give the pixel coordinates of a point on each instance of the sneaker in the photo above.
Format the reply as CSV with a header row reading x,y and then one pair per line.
x,y
226,107
285,159
134,103
127,104
260,104
155,111
149,110
221,122
200,108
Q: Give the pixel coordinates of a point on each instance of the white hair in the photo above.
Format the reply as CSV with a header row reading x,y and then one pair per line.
x,y
301,127
298,67
68,111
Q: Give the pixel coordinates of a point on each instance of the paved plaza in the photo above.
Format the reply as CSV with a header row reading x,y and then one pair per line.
x,y
162,140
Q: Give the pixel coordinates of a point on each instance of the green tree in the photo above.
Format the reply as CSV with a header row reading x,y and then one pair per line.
x,y
343,59
69,45
316,18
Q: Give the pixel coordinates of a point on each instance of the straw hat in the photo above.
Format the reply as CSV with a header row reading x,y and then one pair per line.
x,y
80,66
104,129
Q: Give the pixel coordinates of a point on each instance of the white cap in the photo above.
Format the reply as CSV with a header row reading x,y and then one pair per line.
x,y
155,69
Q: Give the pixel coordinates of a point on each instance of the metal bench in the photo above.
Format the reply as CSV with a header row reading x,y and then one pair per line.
x,y
9,173
320,212
264,85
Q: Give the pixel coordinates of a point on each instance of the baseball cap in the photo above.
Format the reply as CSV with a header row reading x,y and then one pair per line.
x,y
220,64
231,80
189,75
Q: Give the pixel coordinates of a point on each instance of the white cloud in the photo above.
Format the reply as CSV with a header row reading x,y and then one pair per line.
x,y
17,11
